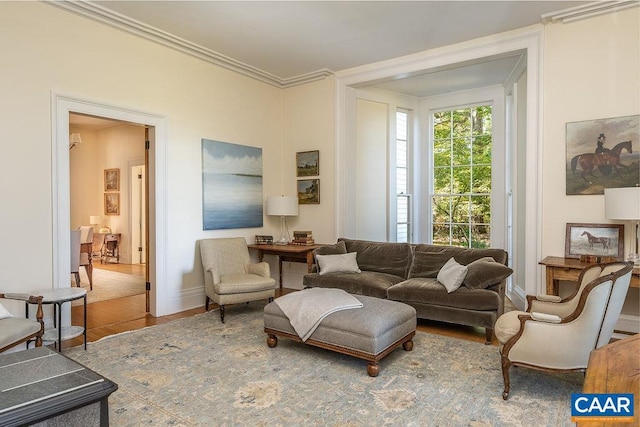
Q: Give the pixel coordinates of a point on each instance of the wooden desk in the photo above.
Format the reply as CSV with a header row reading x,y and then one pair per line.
x,y
569,269
615,368
289,253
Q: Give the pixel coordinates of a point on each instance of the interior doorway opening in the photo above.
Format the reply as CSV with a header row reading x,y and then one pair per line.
x,y
107,174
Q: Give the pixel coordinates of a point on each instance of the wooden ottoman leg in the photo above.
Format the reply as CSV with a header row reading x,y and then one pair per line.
x,y
373,369
407,345
272,340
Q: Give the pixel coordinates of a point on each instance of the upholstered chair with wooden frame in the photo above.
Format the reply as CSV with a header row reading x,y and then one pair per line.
x,y
561,337
17,330
86,251
230,277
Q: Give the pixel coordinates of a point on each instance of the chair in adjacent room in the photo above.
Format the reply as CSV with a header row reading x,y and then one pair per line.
x,y
230,277
86,251
16,330
559,335
75,255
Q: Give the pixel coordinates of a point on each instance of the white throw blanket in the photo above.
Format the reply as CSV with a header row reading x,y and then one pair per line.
x,y
306,309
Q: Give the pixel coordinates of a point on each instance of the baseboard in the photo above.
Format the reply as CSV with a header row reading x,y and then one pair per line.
x,y
628,324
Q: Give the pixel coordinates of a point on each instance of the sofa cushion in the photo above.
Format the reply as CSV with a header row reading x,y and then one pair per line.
x,y
335,249
452,274
429,291
340,263
429,259
485,272
382,257
365,283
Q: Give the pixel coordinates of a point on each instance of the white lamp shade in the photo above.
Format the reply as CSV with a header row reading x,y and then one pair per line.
x,y
622,203
94,219
282,206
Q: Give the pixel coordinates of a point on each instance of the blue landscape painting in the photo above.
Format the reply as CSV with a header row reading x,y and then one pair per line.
x,y
231,186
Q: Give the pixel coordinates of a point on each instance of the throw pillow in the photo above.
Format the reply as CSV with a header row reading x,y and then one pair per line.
x,y
4,313
485,272
452,274
336,249
343,263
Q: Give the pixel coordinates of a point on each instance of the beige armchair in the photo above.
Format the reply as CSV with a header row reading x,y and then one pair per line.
x,y
16,330
229,276
559,335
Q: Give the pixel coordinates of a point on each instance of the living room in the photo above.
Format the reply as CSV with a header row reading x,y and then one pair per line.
x,y
53,59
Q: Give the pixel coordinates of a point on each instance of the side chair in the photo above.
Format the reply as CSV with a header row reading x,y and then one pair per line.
x,y
230,277
559,335
17,330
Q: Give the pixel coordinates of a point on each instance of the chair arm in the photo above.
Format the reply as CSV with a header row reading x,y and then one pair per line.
x,y
19,297
548,298
260,269
214,275
544,317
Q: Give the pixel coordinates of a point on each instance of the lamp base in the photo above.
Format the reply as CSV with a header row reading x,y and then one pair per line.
x,y
284,232
634,258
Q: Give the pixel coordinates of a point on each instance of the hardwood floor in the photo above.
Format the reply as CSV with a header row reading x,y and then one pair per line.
x,y
111,317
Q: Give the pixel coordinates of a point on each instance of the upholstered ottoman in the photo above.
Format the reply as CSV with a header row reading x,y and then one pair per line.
x,y
369,333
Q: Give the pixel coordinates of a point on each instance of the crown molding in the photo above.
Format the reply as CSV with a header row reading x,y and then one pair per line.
x,y
116,20
587,11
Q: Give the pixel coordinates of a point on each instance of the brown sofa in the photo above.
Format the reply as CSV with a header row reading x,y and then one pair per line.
x,y
408,273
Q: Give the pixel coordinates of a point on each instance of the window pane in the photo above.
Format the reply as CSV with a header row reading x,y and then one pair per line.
x,y
481,207
460,209
403,209
442,180
482,149
442,125
481,179
441,234
401,181
402,233
460,234
401,125
461,123
481,120
461,180
441,209
462,151
442,152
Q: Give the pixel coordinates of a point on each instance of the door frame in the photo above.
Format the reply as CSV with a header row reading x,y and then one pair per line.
x,y
61,106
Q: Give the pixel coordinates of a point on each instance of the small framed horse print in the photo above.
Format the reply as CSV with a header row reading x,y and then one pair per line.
x,y
600,240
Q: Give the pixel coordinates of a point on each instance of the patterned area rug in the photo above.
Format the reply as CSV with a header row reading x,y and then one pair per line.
x,y
109,285
198,372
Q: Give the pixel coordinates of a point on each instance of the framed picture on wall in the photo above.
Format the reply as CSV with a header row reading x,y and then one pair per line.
x,y
112,203
308,191
112,180
308,163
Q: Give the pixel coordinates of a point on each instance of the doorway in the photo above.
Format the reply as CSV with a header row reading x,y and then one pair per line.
x,y
155,126
108,165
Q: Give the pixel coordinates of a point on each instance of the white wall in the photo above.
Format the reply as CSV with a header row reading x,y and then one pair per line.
x,y
591,70
48,50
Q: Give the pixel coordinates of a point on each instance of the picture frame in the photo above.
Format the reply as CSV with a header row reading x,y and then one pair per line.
x,y
599,240
601,154
112,203
308,163
308,191
112,179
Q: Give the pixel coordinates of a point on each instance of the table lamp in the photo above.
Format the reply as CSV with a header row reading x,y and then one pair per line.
x,y
624,204
94,220
282,206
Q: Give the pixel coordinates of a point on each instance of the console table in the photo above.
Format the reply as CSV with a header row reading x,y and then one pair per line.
x,y
39,384
288,253
569,269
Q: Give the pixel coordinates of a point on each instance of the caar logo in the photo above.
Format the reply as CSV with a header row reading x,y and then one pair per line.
x,y
602,407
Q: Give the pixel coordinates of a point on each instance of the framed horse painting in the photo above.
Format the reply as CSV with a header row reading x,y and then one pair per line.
x,y
599,240
603,153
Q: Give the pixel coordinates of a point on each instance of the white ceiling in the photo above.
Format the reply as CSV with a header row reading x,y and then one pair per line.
x,y
288,39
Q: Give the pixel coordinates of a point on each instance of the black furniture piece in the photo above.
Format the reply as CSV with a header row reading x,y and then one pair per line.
x,y
41,384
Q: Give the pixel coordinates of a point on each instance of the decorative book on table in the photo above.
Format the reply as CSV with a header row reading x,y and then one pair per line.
x,y
303,238
264,240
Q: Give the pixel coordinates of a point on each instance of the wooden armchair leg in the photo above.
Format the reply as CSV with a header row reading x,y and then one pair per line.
x,y
505,375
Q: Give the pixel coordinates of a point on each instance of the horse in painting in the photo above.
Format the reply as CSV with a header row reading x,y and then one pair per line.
x,y
605,241
606,161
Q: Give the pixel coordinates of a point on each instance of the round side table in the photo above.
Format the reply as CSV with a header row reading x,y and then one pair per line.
x,y
57,297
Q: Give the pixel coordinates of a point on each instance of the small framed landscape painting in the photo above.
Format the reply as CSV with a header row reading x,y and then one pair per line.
x,y
308,163
599,240
308,191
